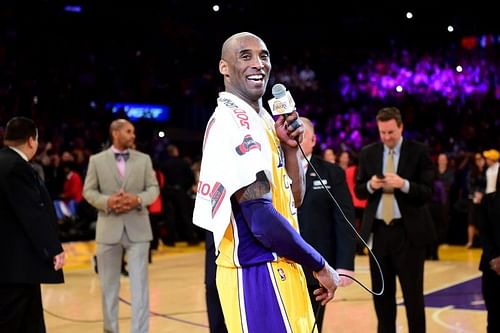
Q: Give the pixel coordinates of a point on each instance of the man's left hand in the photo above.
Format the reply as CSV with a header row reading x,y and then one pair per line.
x,y
495,265
393,180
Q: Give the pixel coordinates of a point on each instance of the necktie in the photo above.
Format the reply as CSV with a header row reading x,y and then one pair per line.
x,y
388,195
123,156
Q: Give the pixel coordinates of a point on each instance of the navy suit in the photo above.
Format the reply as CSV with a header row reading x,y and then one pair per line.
x,y
28,243
399,248
321,223
490,240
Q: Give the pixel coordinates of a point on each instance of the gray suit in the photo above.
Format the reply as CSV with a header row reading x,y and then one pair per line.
x,y
131,230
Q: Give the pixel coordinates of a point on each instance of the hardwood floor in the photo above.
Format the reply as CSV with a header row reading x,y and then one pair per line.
x,y
177,303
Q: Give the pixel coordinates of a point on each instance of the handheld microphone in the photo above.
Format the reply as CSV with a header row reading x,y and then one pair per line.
x,y
282,103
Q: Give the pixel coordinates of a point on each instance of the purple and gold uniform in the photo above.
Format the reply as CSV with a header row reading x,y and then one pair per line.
x,y
259,291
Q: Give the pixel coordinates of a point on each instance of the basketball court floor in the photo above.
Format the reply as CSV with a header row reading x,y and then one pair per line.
x,y
177,302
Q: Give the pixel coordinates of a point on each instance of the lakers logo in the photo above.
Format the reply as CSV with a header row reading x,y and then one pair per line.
x,y
279,107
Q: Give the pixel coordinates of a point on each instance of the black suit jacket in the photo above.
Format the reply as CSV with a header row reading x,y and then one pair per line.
x,y
490,228
415,165
321,222
29,238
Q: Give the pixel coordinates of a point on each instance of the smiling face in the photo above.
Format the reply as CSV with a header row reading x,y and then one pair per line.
x,y
246,65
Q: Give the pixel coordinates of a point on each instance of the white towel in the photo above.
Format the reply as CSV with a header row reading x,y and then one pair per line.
x,y
235,148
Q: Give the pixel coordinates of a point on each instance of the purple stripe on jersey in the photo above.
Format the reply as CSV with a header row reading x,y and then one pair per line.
x,y
261,302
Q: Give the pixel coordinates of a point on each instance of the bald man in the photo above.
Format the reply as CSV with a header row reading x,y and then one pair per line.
x,y
251,181
321,222
121,183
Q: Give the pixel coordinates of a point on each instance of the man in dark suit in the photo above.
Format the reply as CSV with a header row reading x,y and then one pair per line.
x,y
321,223
396,177
490,241
30,251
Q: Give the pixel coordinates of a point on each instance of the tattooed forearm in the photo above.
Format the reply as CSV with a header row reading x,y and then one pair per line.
x,y
258,189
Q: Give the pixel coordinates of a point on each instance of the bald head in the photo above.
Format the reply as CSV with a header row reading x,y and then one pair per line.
x,y
308,124
117,124
232,42
122,134
309,140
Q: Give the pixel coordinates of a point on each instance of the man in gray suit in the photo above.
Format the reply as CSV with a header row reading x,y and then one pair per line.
x,y
120,183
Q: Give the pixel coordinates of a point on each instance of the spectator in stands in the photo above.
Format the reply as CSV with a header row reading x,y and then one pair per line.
x,y
359,204
156,213
476,182
179,179
329,155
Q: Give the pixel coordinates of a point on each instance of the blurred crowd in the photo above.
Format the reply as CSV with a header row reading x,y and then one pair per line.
x,y
449,97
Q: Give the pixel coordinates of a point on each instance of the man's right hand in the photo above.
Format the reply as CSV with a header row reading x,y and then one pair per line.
x,y
59,260
115,202
376,182
328,280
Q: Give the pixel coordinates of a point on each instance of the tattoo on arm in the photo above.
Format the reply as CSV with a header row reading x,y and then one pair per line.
x,y
258,189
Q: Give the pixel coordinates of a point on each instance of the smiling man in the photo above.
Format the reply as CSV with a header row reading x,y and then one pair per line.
x,y
251,180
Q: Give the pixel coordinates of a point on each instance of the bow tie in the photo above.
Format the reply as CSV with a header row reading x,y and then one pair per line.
x,y
123,156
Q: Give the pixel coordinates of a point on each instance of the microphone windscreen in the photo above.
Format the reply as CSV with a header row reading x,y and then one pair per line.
x,y
278,90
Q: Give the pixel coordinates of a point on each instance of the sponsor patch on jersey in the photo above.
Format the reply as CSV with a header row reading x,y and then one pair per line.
x,y
248,144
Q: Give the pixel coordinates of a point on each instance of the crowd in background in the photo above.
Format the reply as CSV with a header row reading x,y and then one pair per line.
x,y
459,177
65,90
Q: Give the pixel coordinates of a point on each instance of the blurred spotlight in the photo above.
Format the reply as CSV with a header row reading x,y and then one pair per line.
x,y
93,104
450,28
469,42
138,53
35,99
161,134
399,88
459,69
73,8
487,40
215,8
409,15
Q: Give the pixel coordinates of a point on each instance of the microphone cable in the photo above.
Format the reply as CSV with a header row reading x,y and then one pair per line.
x,y
353,229
357,235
